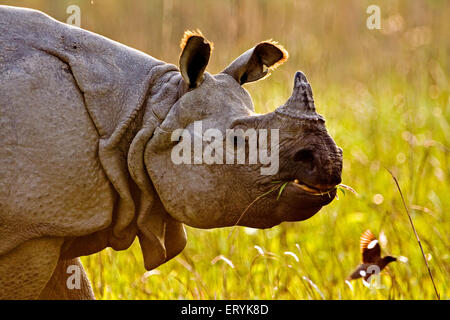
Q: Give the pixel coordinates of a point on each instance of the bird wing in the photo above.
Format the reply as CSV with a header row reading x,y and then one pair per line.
x,y
370,247
358,273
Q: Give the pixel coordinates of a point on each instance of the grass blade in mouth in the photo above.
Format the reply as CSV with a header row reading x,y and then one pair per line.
x,y
344,187
282,188
259,197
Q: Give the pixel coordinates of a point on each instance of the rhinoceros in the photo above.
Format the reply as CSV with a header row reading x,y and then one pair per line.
x,y
86,150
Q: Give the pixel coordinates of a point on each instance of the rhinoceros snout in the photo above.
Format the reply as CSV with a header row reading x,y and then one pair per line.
x,y
317,171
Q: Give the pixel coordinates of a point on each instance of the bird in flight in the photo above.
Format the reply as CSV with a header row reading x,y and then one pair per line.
x,y
372,262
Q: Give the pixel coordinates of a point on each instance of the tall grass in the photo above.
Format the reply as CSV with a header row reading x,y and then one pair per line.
x,y
385,95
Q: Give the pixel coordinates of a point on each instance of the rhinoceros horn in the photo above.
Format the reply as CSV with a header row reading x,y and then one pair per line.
x,y
300,105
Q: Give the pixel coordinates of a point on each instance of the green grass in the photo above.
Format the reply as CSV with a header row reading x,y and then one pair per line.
x,y
385,95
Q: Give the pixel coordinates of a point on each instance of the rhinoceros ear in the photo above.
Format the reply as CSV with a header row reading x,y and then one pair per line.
x,y
194,57
256,63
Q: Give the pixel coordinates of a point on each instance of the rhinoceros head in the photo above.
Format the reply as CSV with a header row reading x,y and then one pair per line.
x,y
195,160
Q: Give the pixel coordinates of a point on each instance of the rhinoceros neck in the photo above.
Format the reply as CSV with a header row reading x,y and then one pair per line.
x,y
159,95
164,91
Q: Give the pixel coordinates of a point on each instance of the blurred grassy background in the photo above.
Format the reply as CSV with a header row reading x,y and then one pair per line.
x,y
385,95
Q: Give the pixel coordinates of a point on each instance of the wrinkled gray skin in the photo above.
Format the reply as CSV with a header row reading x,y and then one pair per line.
x,y
85,153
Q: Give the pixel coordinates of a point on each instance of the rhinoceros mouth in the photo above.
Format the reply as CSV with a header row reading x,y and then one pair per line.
x,y
313,190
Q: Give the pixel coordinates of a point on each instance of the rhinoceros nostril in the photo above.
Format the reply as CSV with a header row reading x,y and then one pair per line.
x,y
305,156
336,180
